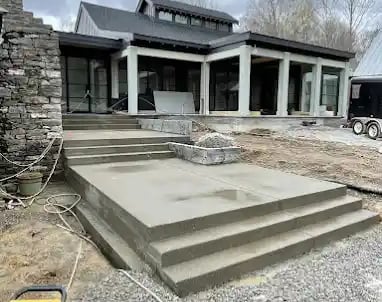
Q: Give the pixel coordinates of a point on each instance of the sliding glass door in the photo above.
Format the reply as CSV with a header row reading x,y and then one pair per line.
x,y
85,84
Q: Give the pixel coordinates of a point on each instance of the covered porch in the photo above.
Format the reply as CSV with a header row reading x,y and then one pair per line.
x,y
249,76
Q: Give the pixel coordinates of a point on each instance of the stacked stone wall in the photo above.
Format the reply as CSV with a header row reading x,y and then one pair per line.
x,y
30,89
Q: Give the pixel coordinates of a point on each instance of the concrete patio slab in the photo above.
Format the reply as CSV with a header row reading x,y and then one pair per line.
x,y
169,191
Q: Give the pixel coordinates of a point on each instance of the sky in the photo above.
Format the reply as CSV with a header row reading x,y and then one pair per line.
x,y
62,13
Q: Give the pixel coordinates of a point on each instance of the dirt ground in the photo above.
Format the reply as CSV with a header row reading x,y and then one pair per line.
x,y
335,160
34,251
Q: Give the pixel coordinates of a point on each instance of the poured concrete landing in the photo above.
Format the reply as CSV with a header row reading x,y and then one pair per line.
x,y
169,191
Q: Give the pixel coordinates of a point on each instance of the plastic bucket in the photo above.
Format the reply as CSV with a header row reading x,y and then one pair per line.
x,y
29,183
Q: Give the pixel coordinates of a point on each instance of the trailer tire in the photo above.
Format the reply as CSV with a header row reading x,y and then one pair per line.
x,y
358,127
373,130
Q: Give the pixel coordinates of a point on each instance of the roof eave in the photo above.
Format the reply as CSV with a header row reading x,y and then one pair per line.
x,y
91,42
289,44
137,37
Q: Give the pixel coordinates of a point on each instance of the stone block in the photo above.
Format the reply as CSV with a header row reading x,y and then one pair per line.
x,y
51,91
36,100
206,156
16,72
168,126
5,92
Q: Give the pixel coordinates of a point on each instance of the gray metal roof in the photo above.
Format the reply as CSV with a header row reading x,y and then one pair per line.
x,y
371,63
119,21
193,9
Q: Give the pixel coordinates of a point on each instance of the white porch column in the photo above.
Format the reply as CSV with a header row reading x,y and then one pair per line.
x,y
114,78
132,78
245,79
205,88
316,89
282,94
343,98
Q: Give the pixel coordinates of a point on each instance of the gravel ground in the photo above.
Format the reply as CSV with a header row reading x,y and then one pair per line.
x,y
329,134
347,270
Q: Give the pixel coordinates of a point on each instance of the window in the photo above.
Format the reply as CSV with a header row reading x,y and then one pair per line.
x,y
224,85
211,24
329,91
181,19
224,27
165,16
169,78
356,91
196,21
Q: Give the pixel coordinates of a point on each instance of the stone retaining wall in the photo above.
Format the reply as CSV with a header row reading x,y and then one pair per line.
x,y
206,156
30,89
168,126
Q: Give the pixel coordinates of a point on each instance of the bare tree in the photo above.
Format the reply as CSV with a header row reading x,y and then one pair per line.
x,y
342,24
358,14
291,19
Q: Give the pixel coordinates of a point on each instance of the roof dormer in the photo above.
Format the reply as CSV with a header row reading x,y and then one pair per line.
x,y
186,14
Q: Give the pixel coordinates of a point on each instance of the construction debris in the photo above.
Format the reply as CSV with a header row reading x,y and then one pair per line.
x,y
215,140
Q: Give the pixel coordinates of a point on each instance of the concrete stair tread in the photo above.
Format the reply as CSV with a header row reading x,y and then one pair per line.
x,y
218,262
94,122
115,146
118,154
101,124
118,251
247,225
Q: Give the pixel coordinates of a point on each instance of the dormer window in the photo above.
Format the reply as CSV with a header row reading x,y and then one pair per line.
x,y
211,25
181,19
196,21
224,27
166,16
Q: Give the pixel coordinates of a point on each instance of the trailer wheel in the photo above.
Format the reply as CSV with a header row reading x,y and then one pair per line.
x,y
358,127
373,130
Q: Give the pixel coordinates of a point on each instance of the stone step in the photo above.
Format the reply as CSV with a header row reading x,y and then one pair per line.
x,y
120,157
112,149
101,126
197,244
222,266
72,122
110,243
124,141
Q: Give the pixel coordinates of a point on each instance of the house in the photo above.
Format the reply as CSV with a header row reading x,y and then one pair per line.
x,y
366,88
168,46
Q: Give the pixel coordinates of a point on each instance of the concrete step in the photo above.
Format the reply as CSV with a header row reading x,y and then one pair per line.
x,y
120,157
197,244
100,201
222,266
113,149
110,243
104,121
101,126
77,116
178,228
125,141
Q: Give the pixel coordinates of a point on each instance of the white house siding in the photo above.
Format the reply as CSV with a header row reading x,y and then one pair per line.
x,y
86,25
